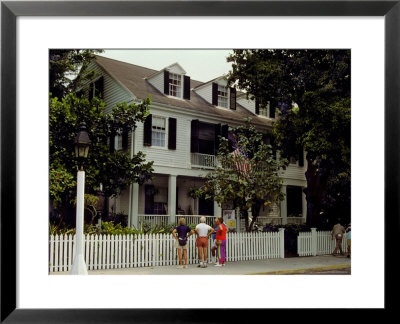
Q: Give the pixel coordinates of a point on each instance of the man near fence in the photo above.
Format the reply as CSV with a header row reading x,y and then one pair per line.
x,y
348,230
203,232
337,233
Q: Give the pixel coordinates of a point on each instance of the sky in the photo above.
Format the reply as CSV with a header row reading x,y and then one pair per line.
x,y
201,65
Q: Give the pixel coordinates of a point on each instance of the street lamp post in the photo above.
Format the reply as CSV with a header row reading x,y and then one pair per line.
x,y
82,143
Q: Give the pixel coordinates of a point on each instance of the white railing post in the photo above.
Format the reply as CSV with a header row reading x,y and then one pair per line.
x,y
282,242
313,241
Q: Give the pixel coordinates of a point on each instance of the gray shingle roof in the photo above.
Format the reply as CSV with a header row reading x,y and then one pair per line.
x,y
133,78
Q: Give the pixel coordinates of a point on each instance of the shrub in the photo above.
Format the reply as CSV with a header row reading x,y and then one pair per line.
x,y
112,228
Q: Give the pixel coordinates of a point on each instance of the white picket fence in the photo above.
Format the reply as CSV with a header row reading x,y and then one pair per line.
x,y
128,251
317,243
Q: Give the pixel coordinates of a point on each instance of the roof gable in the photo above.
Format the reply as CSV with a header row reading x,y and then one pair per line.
x,y
175,68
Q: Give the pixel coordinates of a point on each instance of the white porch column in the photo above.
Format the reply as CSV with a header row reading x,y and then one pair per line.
x,y
217,210
172,198
134,205
304,204
284,206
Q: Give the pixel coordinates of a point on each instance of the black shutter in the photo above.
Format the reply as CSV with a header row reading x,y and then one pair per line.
x,y
215,94
272,107
257,106
194,140
217,133
112,143
99,87
232,103
125,139
91,88
301,157
147,130
166,82
172,133
224,131
186,87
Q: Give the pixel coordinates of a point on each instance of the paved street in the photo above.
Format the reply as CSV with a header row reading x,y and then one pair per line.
x,y
313,265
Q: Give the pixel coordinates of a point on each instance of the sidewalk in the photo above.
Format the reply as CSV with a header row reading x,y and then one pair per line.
x,y
260,267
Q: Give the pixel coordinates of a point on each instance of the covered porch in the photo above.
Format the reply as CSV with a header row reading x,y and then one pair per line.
x,y
166,199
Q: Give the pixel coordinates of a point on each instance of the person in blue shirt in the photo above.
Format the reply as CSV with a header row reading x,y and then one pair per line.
x,y
214,245
180,234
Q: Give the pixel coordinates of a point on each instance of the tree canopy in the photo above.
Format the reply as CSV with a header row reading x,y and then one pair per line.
x,y
311,91
65,66
248,177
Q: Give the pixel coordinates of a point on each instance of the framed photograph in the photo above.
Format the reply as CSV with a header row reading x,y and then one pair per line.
x,y
29,28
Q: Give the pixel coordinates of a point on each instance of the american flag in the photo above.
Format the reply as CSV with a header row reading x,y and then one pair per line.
x,y
241,160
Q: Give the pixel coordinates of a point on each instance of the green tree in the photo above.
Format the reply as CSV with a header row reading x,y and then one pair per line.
x,y
311,89
246,178
65,67
116,170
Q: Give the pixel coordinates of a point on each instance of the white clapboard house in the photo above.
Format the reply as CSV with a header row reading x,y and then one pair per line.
x,y
180,136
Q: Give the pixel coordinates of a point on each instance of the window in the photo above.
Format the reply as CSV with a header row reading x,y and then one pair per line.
x,y
96,88
222,96
175,85
264,110
158,132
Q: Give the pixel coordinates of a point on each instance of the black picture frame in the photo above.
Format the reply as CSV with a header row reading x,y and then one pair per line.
x,y
10,10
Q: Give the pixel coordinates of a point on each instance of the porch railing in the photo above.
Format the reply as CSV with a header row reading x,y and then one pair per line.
x,y
203,161
279,220
153,219
195,219
164,219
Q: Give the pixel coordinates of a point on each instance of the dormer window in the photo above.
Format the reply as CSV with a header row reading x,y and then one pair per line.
x,y
222,96
175,85
266,110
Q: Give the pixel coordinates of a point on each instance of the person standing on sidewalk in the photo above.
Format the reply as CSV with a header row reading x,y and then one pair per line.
x,y
221,242
214,245
181,240
203,232
337,233
348,231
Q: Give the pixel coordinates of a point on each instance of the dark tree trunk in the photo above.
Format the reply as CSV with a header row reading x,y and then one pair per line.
x,y
315,192
245,214
255,211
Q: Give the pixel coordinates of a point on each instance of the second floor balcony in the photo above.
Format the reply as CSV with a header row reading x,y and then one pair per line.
x,y
203,161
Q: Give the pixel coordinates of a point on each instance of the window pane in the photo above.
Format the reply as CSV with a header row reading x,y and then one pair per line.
x,y
175,85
